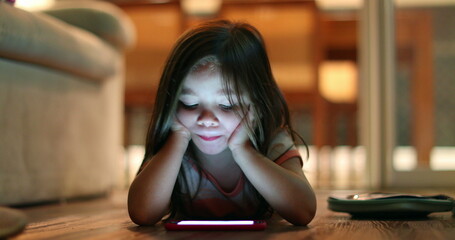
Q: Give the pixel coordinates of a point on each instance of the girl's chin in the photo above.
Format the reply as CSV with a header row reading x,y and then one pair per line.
x,y
210,150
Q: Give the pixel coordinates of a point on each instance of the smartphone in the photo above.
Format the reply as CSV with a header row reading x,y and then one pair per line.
x,y
197,225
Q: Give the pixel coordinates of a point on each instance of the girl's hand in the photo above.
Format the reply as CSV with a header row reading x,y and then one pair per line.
x,y
177,127
239,137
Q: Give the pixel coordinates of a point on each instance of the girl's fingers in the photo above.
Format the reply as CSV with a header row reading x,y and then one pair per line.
x,y
240,134
178,127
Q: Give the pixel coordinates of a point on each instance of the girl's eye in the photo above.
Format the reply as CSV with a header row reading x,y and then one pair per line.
x,y
226,107
189,106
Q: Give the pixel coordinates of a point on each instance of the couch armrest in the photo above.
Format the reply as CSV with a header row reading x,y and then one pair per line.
x,y
40,39
100,18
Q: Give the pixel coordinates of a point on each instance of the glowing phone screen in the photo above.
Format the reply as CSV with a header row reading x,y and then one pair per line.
x,y
246,222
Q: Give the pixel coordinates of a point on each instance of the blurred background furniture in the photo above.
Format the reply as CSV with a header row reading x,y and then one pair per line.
x,y
61,100
313,53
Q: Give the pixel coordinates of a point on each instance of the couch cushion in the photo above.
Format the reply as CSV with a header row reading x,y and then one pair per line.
x,y
40,39
61,135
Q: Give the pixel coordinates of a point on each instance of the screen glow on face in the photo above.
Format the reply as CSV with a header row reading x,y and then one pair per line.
x,y
247,222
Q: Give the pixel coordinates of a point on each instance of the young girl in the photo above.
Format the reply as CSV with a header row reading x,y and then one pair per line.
x,y
220,144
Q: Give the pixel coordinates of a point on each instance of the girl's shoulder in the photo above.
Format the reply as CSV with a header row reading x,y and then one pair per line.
x,y
281,143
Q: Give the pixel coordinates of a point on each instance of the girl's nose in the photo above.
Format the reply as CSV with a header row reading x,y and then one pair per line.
x,y
207,119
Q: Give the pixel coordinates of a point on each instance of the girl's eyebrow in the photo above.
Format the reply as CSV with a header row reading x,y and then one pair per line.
x,y
225,92
187,91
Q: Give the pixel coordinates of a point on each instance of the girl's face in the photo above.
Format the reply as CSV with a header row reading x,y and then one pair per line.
x,y
204,109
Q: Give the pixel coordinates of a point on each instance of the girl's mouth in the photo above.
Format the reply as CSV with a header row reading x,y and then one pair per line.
x,y
205,138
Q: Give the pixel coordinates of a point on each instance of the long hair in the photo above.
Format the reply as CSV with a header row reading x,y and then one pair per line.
x,y
245,69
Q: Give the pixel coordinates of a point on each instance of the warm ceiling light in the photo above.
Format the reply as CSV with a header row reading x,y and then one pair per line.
x,y
338,81
337,4
34,5
201,7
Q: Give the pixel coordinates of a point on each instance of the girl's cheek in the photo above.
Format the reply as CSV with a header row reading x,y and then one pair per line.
x,y
185,117
230,120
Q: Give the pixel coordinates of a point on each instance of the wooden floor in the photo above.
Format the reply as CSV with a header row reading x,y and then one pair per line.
x,y
107,218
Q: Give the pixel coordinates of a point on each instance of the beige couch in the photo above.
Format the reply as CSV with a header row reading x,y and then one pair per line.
x,y
61,100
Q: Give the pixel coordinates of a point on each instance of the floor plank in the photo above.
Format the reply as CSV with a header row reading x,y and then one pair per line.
x,y
107,218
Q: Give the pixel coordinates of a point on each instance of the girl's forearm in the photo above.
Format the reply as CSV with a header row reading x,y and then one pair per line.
x,y
287,192
150,192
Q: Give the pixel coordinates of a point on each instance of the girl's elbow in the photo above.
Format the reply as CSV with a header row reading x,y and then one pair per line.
x,y
142,216
143,219
304,218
